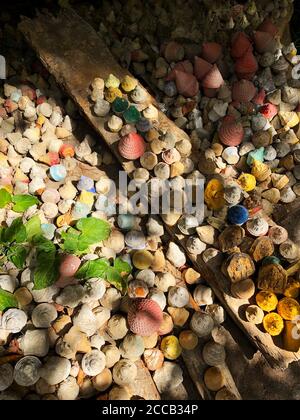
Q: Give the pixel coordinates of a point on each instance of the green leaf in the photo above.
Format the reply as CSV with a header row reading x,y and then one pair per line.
x,y
71,240
122,267
16,232
17,255
23,202
114,277
43,245
93,230
7,300
46,272
33,227
93,268
5,198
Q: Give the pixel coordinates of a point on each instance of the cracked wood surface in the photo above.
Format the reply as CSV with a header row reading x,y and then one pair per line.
x,y
74,54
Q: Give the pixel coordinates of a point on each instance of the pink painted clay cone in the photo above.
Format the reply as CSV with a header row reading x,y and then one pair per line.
x,y
243,91
132,146
213,79
187,84
231,132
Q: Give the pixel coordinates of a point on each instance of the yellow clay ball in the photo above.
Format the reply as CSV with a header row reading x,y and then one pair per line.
x,y
170,347
273,324
86,197
267,301
247,182
288,308
112,93
214,195
128,84
188,340
142,260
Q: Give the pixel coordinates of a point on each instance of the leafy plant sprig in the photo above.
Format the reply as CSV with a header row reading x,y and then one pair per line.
x,y
18,239
14,240
88,231
21,202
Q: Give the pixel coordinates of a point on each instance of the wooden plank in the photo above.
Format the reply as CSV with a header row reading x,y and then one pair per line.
x,y
75,57
74,54
144,385
193,359
270,348
197,367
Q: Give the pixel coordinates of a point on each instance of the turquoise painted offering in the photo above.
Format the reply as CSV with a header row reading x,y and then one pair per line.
x,y
257,154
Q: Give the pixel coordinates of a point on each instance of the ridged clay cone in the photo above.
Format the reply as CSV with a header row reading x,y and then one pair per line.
x,y
243,91
211,51
264,42
240,44
231,132
213,79
144,317
246,66
132,146
201,68
268,26
187,84
186,66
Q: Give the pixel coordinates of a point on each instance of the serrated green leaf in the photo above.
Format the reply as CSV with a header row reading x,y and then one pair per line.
x,y
33,227
16,232
7,300
114,277
90,231
71,240
23,202
93,230
17,255
5,198
93,268
46,272
122,267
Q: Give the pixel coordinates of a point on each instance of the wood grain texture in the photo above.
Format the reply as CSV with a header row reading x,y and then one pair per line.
x,y
143,385
74,54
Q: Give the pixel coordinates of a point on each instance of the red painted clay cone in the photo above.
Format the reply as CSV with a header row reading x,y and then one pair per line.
x,y
211,51
240,44
187,84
